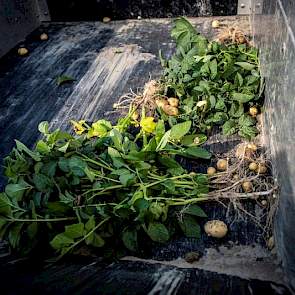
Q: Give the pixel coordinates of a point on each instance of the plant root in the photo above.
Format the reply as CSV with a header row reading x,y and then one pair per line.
x,y
145,100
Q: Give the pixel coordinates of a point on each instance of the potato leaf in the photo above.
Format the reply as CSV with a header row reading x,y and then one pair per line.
x,y
95,240
242,97
16,190
61,241
245,65
229,127
158,232
197,152
190,226
5,207
180,130
194,210
74,231
129,238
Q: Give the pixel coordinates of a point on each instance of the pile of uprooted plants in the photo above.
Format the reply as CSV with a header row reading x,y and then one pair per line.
x,y
110,186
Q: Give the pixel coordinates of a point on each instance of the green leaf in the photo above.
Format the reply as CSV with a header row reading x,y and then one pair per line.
x,y
127,178
212,101
90,224
179,130
14,234
61,241
95,240
245,65
89,174
74,231
163,142
32,230
219,117
197,152
193,139
42,147
63,164
117,139
5,208
16,191
190,226
220,105
64,148
239,79
22,148
229,127
194,210
99,128
64,79
246,120
113,153
42,182
242,97
236,109
213,68
169,185
158,232
159,131
249,132
168,162
129,238
43,127
77,166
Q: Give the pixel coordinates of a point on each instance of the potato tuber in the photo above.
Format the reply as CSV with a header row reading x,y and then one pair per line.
x,y
215,228
211,171
222,165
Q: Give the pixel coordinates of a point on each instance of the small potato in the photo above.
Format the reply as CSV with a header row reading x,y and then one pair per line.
x,y
171,111
191,257
161,102
106,19
247,186
43,37
22,51
253,166
135,116
215,24
252,147
216,228
253,111
211,171
261,169
173,101
222,165
246,151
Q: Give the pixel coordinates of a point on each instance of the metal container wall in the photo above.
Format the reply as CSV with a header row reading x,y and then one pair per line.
x,y
274,34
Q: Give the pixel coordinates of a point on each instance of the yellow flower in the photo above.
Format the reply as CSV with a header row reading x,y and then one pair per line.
x,y
148,125
78,126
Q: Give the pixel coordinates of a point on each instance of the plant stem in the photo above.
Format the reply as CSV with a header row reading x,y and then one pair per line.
x,y
87,159
40,220
82,239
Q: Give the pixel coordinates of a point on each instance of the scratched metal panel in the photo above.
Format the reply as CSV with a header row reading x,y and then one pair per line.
x,y
18,18
274,33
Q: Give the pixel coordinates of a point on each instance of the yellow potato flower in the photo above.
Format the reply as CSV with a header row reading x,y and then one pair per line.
x,y
148,125
79,126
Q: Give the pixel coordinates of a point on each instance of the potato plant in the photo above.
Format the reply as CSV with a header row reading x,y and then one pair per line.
x,y
216,84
